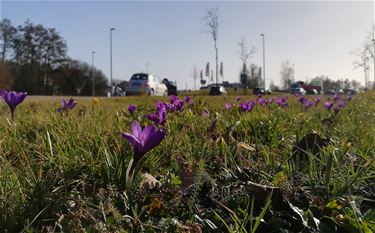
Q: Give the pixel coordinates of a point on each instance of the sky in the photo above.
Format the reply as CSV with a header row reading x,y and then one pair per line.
x,y
318,37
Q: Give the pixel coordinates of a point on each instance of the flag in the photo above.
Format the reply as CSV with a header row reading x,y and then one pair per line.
x,y
201,74
208,69
212,75
221,69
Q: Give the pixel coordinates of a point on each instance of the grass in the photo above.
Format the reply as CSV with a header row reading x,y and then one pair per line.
x,y
64,172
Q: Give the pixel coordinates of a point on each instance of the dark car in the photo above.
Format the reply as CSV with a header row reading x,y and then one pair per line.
x,y
350,92
217,90
262,91
172,89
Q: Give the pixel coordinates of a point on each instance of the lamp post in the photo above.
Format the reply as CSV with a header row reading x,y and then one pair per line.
x,y
93,73
110,51
264,63
373,58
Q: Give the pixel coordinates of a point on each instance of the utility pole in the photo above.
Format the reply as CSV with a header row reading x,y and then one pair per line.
x,y
373,58
110,53
264,64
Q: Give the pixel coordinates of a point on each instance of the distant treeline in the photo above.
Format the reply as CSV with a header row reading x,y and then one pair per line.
x,y
34,59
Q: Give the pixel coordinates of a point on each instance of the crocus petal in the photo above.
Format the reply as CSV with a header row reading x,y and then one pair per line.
x,y
154,117
134,143
22,97
148,131
136,130
72,103
63,104
153,140
162,116
132,108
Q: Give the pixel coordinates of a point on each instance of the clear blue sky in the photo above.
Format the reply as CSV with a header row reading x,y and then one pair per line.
x,y
318,37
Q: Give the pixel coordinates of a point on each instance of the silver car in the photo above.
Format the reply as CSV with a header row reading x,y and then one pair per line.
x,y
142,83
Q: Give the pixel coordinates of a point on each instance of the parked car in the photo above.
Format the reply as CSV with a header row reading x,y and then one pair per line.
x,y
217,90
171,86
298,90
351,92
332,91
142,83
262,91
312,92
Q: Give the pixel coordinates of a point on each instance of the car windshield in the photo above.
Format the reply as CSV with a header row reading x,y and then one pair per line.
x,y
139,77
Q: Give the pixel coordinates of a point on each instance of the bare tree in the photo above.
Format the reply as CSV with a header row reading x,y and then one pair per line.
x,y
286,74
195,74
212,22
363,63
254,76
370,48
245,52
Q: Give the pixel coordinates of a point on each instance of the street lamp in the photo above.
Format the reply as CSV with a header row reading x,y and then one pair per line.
x,y
264,64
110,50
93,73
373,41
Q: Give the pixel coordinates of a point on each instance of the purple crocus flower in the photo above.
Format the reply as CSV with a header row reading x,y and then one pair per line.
x,y
172,98
341,104
132,108
12,99
282,102
159,117
238,98
349,97
307,104
285,98
270,100
170,107
188,100
228,105
317,100
301,99
328,105
252,102
336,97
68,105
248,107
243,106
160,106
261,101
143,140
259,96
179,105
